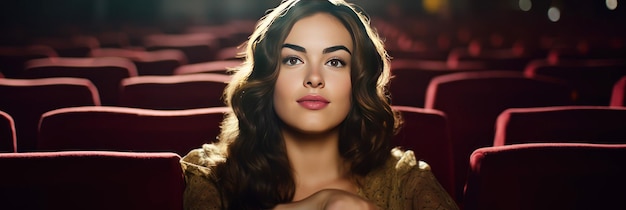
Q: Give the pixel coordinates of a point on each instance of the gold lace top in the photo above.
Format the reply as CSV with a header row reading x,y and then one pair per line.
x,y
403,183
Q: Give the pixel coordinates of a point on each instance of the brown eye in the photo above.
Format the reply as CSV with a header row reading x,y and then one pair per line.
x,y
291,61
337,63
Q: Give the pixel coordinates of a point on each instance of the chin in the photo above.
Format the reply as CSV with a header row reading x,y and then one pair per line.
x,y
315,130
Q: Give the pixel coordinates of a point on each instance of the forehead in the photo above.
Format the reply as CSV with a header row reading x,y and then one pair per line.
x,y
319,30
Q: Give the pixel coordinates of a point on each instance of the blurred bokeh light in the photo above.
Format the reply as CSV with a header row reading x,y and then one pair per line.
x,y
611,4
554,14
525,5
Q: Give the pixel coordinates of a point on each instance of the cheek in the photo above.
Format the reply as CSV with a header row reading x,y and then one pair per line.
x,y
342,89
282,93
346,91
343,84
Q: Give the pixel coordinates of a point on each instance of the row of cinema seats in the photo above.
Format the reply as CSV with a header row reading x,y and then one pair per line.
x,y
107,73
197,44
27,99
593,79
85,127
523,174
165,61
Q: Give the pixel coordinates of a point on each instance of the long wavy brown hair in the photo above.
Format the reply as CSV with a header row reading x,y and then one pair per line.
x,y
257,173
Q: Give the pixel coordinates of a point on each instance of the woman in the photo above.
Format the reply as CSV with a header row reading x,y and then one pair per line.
x,y
311,122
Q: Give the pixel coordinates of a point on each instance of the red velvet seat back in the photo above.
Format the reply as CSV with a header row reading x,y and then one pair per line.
x,y
105,73
7,133
411,78
582,124
593,79
27,99
198,47
160,62
129,129
91,180
547,176
174,92
473,100
426,133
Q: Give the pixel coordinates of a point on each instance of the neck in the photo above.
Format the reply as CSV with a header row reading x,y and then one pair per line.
x,y
314,157
316,163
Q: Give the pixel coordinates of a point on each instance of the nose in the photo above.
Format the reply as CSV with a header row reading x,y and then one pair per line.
x,y
314,78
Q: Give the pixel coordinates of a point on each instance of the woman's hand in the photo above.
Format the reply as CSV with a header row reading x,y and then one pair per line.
x,y
329,199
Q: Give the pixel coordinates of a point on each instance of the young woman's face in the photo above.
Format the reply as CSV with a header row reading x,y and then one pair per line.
x,y
313,90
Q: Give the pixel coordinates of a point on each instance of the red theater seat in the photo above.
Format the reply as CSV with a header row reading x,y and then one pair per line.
x,y
576,124
129,129
618,95
473,100
7,133
410,78
593,79
426,133
159,62
174,92
105,73
91,180
547,176
208,67
198,47
26,99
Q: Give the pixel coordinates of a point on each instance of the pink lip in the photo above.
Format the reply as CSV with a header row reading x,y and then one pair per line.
x,y
313,102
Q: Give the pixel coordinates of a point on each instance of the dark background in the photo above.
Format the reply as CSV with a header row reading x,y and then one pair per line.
x,y
99,14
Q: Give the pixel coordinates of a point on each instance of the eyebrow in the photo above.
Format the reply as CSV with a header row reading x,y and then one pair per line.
x,y
295,47
325,51
335,48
